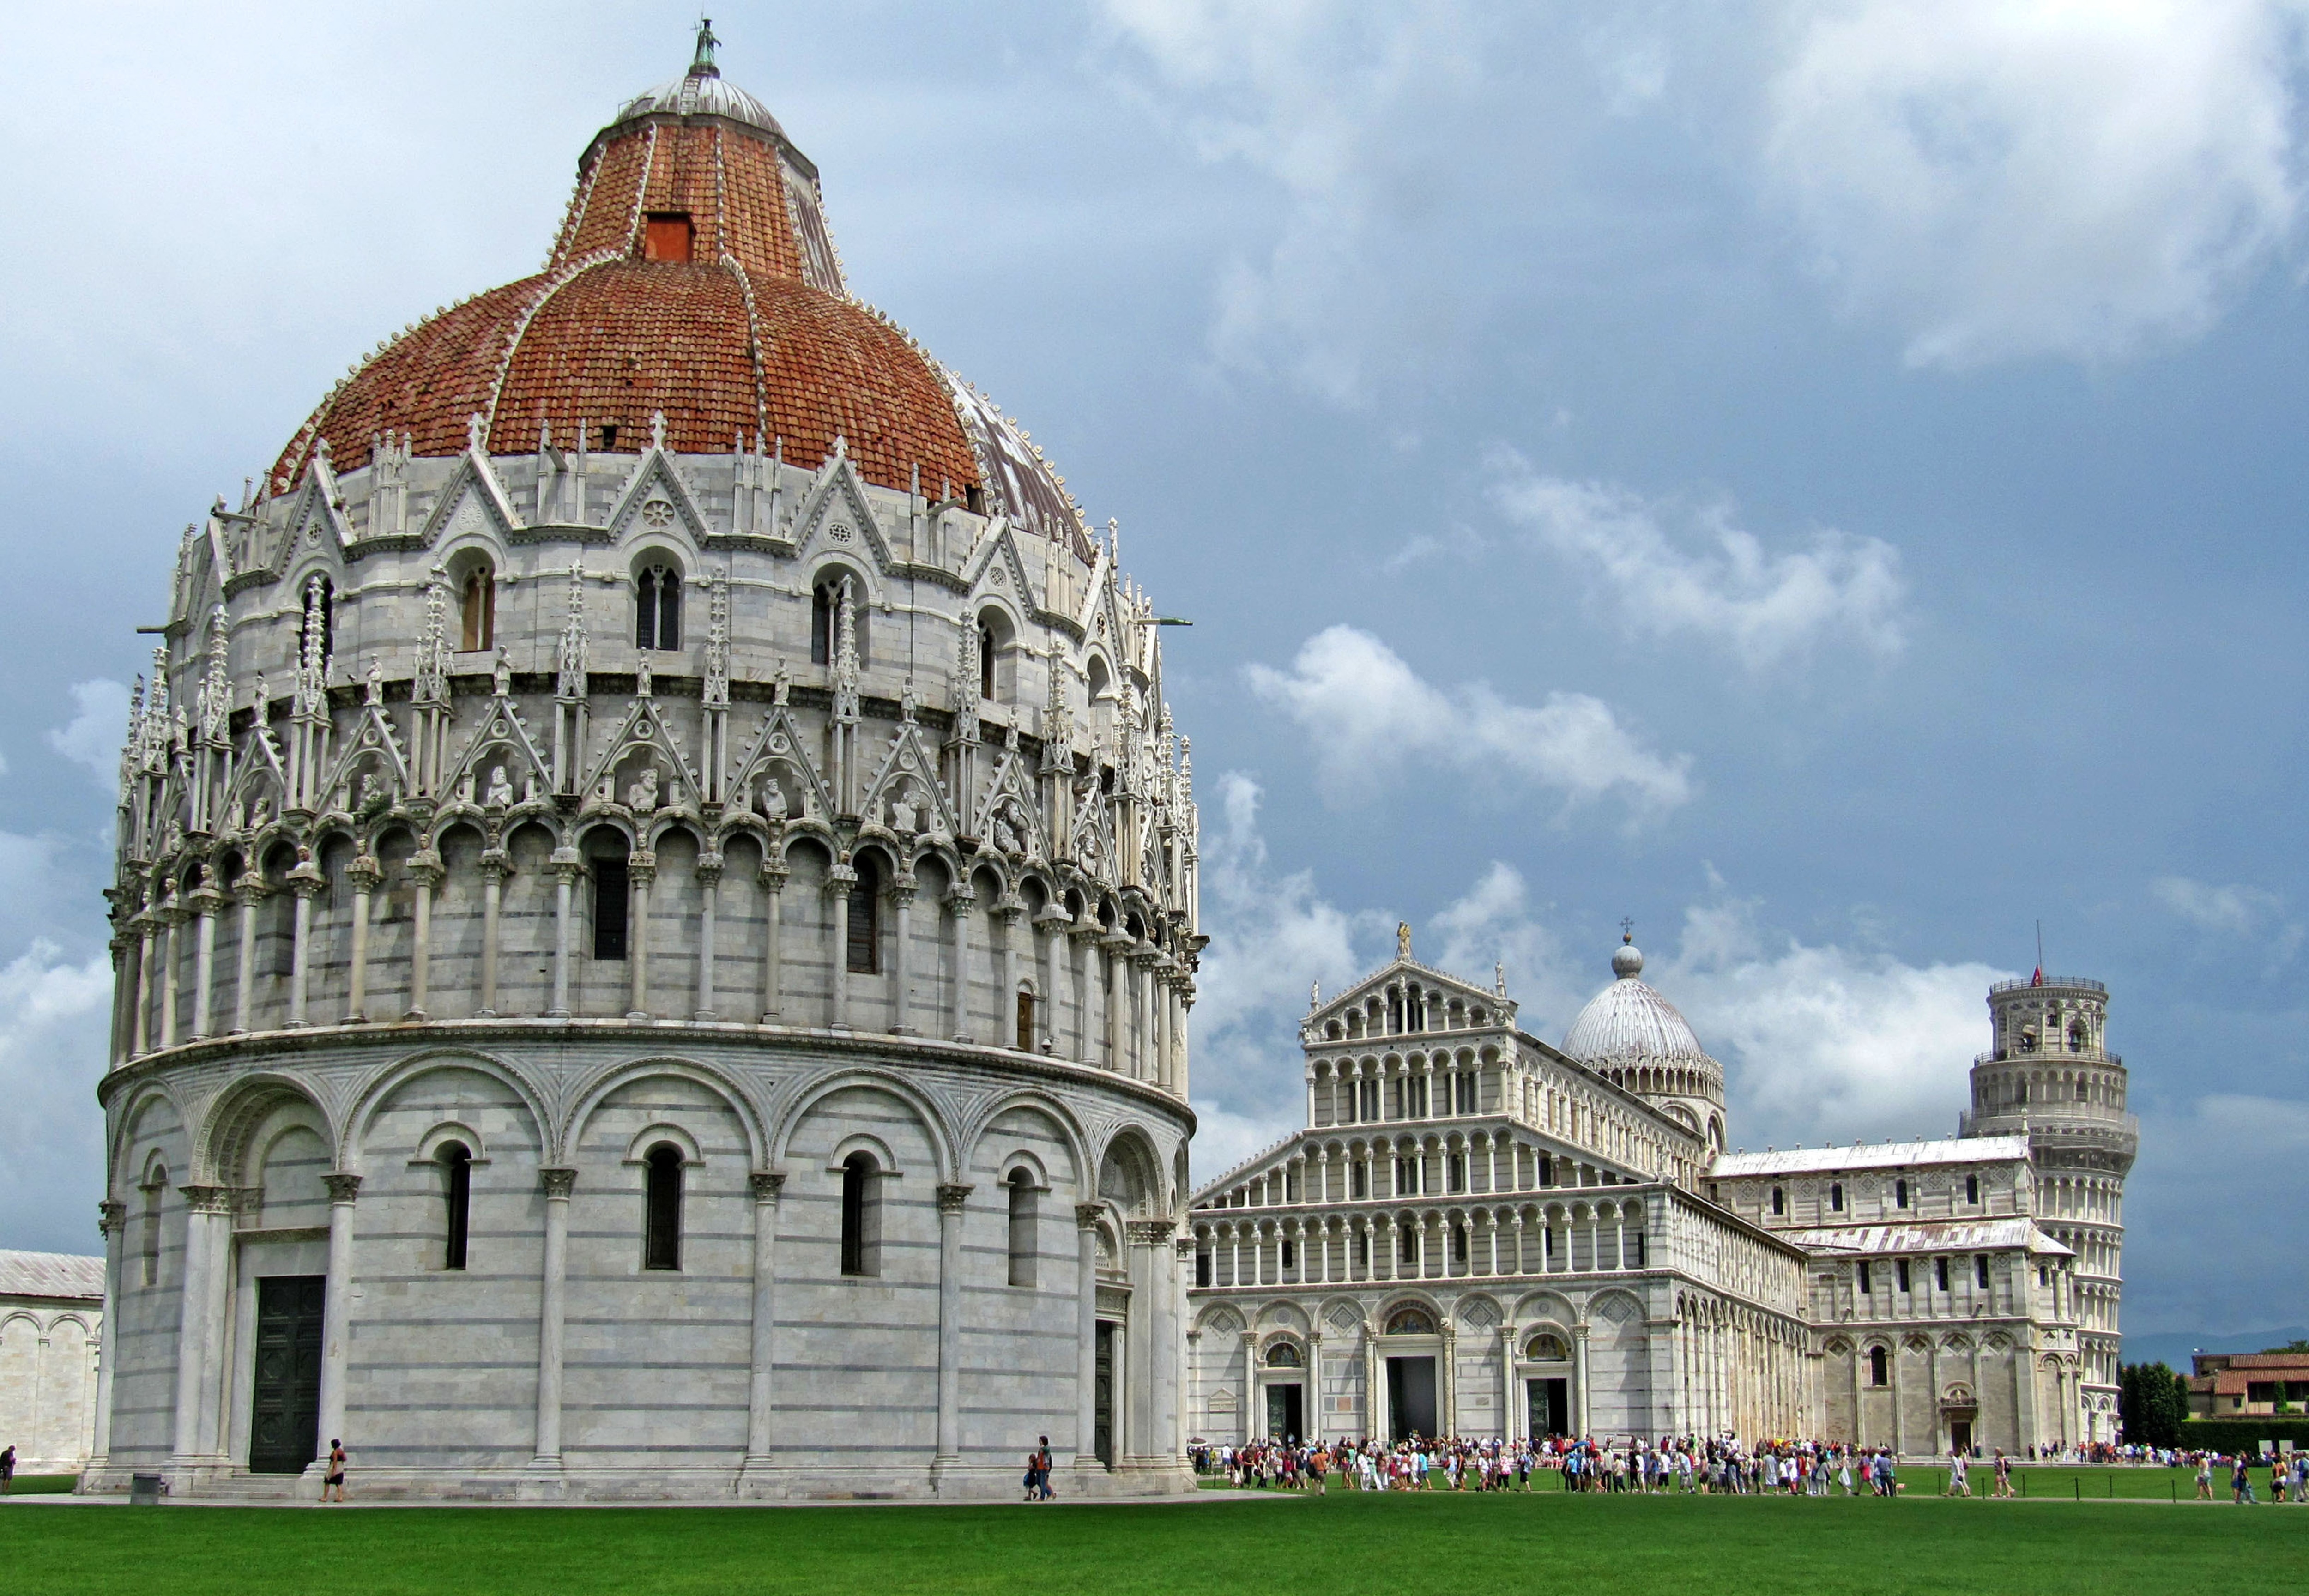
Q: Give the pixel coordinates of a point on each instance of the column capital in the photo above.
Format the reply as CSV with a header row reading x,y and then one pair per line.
x,y
111,1216
709,872
951,1196
364,872
425,866
773,877
496,862
209,1199
766,1184
343,1187
556,1182
1086,1215
1149,1232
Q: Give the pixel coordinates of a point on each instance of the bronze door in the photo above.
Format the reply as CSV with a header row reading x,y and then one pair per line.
x,y
284,1421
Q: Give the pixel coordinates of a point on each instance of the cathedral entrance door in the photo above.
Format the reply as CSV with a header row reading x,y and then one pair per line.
x,y
1285,1413
1101,1408
1410,1397
1959,1434
285,1414
1549,1407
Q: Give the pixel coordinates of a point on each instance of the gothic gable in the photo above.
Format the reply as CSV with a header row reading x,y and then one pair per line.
x,y
471,501
834,516
655,498
780,757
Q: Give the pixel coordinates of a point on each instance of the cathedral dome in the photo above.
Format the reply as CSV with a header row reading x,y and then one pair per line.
x,y
693,277
1627,1022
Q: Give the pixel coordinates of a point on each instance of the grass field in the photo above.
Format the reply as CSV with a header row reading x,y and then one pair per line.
x,y
1628,1545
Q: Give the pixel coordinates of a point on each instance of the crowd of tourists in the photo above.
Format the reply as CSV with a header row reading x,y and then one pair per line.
x,y
1690,1465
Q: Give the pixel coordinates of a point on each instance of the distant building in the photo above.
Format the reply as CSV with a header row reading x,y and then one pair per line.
x,y
51,1333
2243,1384
1481,1233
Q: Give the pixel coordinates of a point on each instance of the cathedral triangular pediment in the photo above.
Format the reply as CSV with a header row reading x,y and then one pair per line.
x,y
645,738
1405,968
504,734
997,568
780,754
1008,812
656,499
471,501
906,795
835,517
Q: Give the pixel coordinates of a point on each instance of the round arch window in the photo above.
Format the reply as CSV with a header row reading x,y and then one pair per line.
x,y
1546,1346
1283,1355
1410,1320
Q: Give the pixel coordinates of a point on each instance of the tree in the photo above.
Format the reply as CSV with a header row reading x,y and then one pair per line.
x,y
2153,1401
2291,1346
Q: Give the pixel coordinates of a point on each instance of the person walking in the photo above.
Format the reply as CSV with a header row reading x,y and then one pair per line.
x,y
2205,1477
335,1480
1042,1468
7,1470
2241,1482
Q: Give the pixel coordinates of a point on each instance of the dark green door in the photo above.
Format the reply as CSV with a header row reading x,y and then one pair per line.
x,y
1103,1397
285,1420
1550,1408
1411,1398
1284,1413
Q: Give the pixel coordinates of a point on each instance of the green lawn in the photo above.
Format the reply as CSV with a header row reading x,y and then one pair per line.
x,y
1626,1545
43,1485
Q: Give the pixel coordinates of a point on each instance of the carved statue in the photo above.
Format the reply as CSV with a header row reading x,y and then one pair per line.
x,y
904,814
1006,826
779,683
643,681
260,814
235,818
375,678
642,795
501,673
774,799
1403,939
500,788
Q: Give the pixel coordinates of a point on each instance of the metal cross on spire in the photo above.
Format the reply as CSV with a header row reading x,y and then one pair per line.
x,y
1627,931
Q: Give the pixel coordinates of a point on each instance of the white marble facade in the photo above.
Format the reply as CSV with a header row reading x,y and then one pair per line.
x,y
51,1347
1554,1240
476,909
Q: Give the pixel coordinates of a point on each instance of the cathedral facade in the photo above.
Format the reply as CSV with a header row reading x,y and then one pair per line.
x,y
1480,1234
655,912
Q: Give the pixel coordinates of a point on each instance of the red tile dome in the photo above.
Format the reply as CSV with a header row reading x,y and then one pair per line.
x,y
694,277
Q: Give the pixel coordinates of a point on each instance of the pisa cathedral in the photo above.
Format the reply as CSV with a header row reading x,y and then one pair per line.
x,y
655,912
1479,1234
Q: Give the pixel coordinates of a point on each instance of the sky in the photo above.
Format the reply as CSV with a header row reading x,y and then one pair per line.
x,y
1820,480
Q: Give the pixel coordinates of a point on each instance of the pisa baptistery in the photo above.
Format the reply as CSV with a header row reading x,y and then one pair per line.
x,y
655,914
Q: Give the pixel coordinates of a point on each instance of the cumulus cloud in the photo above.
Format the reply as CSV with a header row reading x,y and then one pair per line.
x,y
2233,912
53,1017
1762,606
92,738
2009,179
1368,713
1823,1042
2206,1266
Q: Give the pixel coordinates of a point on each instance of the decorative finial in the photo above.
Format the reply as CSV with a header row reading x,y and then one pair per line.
x,y
1403,939
701,64
1314,995
1627,931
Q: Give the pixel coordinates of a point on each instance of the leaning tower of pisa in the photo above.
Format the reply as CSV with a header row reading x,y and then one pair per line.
x,y
2048,1074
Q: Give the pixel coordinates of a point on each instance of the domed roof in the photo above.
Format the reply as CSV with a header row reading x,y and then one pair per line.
x,y
693,277
1628,1022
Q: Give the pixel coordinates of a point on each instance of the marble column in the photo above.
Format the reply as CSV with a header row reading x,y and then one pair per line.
x,y
1005,1001
838,882
1513,1420
902,973
200,1336
140,1021
246,892
494,866
642,872
552,1306
709,891
205,904
959,904
952,1200
424,870
336,1307
1253,1397
767,1184
1579,1379
365,874
1086,1217
306,882
112,1220
773,883
567,870
171,917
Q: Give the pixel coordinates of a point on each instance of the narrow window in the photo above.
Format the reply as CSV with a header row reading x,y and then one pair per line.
x,y
657,610
1022,1229
1362,1252
1972,1188
1901,1269
478,607
1940,1271
1359,1179
1202,1270
821,623
1458,1244
1289,1254
986,663
612,891
661,1243
865,909
1879,1371
1370,1100
1343,1095
1547,1173
1867,1281
667,237
1779,1202
861,1216
1458,1176
1026,1021
1900,1194
458,1163
1980,1271
1636,1249
1410,1248
1836,1197
152,1225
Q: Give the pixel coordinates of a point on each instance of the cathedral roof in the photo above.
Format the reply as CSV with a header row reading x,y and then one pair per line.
x,y
50,1274
1930,1235
1628,1022
695,277
1873,1155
